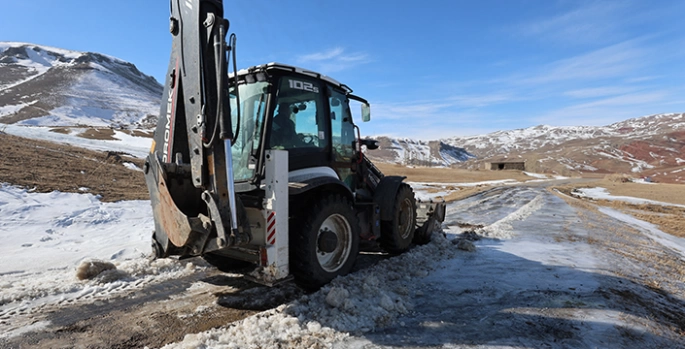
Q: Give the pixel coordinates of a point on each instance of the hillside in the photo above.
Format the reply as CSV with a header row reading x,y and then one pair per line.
x,y
651,146
46,86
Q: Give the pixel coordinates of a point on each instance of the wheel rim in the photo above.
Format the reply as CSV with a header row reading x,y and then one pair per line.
x,y
404,219
333,261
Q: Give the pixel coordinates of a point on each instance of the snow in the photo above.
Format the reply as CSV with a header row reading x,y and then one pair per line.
x,y
444,189
535,175
11,109
132,166
136,146
599,193
523,277
47,235
112,93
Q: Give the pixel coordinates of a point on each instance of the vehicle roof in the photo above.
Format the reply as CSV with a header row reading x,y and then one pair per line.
x,y
291,68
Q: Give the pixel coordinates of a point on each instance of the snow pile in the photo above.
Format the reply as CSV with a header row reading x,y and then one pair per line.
x,y
502,229
362,302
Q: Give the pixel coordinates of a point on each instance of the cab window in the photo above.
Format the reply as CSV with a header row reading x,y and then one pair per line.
x,y
298,121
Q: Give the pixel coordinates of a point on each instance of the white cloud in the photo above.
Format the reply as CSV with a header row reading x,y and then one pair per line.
x,y
608,62
588,23
608,110
482,100
333,60
594,92
321,56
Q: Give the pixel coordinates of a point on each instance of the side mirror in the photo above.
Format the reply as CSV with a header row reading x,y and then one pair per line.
x,y
366,112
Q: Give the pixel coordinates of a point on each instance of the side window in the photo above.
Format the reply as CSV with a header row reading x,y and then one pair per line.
x,y
342,127
298,120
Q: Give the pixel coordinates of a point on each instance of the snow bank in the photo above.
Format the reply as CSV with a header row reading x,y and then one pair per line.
x,y
365,301
599,193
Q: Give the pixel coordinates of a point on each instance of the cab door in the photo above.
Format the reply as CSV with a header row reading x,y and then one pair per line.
x,y
342,137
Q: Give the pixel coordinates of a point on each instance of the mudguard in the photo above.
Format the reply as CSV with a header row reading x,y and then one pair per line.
x,y
385,193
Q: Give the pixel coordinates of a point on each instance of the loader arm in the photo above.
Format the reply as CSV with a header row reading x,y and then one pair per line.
x,y
189,170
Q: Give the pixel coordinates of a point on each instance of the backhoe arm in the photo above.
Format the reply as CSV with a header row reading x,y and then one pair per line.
x,y
189,171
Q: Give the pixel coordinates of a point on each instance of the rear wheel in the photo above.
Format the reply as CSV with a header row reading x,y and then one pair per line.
x,y
397,234
324,241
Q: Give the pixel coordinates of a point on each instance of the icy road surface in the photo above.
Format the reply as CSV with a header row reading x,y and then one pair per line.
x,y
547,272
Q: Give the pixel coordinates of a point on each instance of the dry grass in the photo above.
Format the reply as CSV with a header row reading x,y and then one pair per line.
x,y
48,166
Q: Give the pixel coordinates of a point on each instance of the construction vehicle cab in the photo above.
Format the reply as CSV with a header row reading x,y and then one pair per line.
x,y
265,165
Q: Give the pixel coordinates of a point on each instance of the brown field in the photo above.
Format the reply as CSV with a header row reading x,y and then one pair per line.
x,y
46,166
668,218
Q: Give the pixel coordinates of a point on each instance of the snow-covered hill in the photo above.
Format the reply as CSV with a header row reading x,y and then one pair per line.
x,y
412,152
649,146
538,137
47,86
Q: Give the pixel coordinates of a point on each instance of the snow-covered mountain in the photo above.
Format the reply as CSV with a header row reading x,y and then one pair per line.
x,y
47,86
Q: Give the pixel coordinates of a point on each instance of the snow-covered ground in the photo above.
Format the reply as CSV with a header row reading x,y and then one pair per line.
x,y
537,278
46,236
136,146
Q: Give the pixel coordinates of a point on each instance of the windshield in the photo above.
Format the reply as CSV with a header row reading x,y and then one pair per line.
x,y
252,110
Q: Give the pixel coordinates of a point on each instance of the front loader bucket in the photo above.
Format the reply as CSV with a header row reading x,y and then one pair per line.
x,y
429,218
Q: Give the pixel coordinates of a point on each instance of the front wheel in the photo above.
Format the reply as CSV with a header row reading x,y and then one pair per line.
x,y
324,242
397,234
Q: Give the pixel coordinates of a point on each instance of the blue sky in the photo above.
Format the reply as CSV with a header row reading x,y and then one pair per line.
x,y
431,69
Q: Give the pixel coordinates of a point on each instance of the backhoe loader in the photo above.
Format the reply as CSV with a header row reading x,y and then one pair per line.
x,y
265,165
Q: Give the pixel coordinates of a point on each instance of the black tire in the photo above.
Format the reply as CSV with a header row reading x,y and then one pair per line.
x,y
311,267
397,234
423,234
